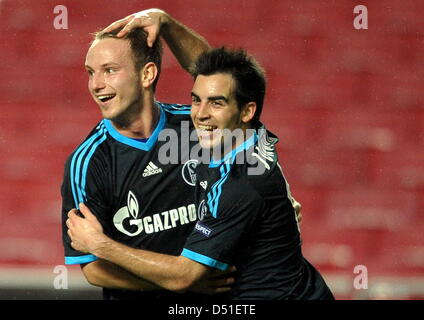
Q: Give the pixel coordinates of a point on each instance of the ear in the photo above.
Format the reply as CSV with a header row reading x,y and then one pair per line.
x,y
248,112
148,74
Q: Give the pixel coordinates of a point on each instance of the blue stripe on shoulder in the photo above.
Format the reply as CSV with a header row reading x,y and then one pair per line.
x,y
178,112
80,161
216,190
175,108
80,259
204,260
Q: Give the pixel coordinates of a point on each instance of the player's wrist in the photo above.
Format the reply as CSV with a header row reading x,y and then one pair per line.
x,y
99,247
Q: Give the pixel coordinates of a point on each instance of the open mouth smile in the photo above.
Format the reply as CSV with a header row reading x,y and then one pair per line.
x,y
106,97
207,131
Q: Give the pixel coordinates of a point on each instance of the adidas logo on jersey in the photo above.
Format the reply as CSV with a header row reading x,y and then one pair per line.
x,y
151,169
204,184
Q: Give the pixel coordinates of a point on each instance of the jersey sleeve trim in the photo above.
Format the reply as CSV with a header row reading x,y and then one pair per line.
x,y
79,164
80,259
204,259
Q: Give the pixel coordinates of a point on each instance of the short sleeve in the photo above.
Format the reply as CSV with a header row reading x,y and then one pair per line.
x,y
82,182
216,239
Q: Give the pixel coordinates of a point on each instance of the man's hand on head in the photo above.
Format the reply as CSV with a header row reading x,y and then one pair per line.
x,y
151,20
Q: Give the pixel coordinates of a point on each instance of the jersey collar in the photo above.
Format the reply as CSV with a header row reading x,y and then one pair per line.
x,y
230,156
147,145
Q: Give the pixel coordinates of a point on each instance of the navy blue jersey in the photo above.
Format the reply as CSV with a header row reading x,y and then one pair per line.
x,y
247,219
139,200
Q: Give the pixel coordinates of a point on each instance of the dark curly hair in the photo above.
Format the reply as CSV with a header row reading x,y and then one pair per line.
x,y
246,71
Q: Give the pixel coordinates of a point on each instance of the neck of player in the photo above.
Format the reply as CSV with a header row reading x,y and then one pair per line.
x,y
229,144
141,120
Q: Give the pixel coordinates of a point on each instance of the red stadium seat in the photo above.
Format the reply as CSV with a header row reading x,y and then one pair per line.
x,y
403,168
373,209
369,130
346,104
333,250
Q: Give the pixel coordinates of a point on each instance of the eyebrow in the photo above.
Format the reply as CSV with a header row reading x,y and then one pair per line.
x,y
108,64
211,98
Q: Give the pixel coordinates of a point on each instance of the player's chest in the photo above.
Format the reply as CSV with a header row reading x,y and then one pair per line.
x,y
149,196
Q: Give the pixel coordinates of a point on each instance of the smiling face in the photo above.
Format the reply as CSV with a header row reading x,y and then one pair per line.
x,y
113,81
214,108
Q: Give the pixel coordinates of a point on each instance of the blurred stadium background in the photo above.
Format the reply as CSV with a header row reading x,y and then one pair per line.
x,y
347,105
